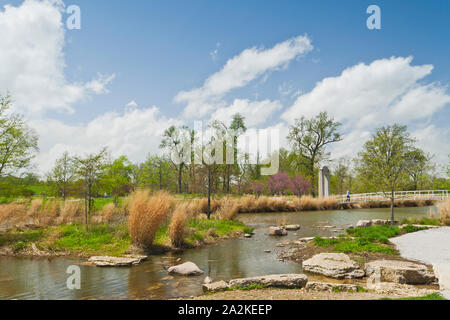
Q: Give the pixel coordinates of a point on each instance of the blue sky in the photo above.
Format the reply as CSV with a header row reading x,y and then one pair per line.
x,y
157,48
153,50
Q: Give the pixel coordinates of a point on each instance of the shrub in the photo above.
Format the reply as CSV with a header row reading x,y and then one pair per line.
x,y
147,214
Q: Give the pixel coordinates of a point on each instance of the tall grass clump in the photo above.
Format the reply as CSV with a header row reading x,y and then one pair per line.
x,y
178,224
147,213
35,209
444,211
107,214
228,209
49,212
71,211
13,213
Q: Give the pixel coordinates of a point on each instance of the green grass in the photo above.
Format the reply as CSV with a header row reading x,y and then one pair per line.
x,y
102,238
433,296
422,221
366,239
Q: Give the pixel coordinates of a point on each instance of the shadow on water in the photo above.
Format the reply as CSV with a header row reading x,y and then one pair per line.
x,y
45,278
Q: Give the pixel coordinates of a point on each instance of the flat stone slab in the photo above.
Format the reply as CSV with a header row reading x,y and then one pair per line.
x,y
186,269
125,261
274,280
215,286
330,287
402,290
403,272
333,265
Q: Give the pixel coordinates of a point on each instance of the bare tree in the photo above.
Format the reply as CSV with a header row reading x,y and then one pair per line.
x,y
90,169
63,174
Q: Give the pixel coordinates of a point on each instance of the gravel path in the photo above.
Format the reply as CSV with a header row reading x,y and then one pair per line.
x,y
430,246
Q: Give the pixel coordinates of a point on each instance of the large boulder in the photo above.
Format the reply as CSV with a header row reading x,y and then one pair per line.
x,y
215,286
334,265
126,261
403,272
186,269
275,280
364,223
277,231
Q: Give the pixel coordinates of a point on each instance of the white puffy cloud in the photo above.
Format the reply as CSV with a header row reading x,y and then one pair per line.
x,y
239,71
133,133
255,112
366,96
32,59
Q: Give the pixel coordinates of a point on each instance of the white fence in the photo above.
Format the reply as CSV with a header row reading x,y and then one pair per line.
x,y
399,195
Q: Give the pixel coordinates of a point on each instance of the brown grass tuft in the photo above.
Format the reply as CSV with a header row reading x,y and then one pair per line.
x,y
228,209
178,224
147,213
109,213
444,211
71,211
13,214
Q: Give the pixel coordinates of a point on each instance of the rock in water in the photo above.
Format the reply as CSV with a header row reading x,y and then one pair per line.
x,y
274,280
277,231
334,265
126,261
186,269
215,286
292,227
207,280
364,223
403,272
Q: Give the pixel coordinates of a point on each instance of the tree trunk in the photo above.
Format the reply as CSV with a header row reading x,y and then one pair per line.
x,y
179,178
86,209
208,213
392,207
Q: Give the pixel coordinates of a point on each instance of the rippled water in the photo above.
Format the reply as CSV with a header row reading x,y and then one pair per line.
x,y
45,278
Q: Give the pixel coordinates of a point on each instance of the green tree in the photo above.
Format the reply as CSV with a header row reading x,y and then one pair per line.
x,y
90,170
309,138
18,142
63,174
383,159
178,142
230,135
417,165
118,175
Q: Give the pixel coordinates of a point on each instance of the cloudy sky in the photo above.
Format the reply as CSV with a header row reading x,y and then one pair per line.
x,y
136,67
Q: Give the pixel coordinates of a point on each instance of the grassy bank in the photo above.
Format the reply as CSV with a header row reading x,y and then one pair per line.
x,y
108,239
374,239
433,296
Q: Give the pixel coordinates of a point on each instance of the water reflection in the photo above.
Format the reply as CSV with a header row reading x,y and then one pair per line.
x,y
46,278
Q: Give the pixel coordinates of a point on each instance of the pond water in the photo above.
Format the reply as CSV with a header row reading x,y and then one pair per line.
x,y
45,278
